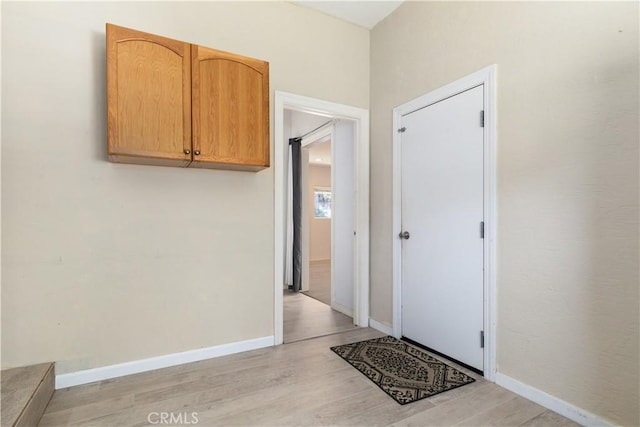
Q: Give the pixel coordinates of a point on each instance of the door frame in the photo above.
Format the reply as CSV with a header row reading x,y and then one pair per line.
x,y
486,77
360,116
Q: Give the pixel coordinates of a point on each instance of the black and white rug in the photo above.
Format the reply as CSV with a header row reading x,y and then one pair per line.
x,y
404,372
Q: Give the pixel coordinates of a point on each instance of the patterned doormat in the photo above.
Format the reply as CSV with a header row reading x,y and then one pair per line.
x,y
402,371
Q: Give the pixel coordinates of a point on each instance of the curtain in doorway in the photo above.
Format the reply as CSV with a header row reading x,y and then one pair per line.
x,y
296,214
288,255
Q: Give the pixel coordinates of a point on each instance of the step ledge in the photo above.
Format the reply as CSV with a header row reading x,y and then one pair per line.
x,y
37,402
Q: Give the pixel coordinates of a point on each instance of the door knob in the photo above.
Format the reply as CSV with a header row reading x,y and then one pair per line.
x,y
404,235
187,151
197,152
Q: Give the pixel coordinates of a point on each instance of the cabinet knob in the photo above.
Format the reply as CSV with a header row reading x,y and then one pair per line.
x,y
187,151
197,152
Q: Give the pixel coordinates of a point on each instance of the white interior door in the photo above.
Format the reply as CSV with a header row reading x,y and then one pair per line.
x,y
442,210
343,217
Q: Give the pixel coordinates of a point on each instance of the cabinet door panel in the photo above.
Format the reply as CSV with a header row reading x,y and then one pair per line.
x,y
230,110
149,97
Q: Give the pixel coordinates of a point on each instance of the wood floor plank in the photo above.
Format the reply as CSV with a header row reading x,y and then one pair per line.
x,y
320,281
456,410
305,317
85,413
294,400
550,419
152,380
513,412
323,412
298,384
368,408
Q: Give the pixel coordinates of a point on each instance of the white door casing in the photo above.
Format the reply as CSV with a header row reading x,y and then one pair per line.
x,y
442,209
360,117
487,78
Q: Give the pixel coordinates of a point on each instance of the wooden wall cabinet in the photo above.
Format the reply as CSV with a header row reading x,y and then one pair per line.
x,y
171,103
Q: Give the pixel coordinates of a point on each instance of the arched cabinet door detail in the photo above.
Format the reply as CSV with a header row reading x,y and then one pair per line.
x,y
230,110
148,98
172,103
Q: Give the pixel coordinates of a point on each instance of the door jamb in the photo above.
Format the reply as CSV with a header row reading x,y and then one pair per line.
x,y
284,100
486,77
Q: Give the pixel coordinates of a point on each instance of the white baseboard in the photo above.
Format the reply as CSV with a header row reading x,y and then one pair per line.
x,y
343,309
553,403
144,365
385,329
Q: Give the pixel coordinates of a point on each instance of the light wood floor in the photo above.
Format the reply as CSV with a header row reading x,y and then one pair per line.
x,y
320,281
306,317
298,384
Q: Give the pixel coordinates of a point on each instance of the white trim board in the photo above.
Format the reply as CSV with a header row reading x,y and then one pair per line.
x,y
379,326
360,116
553,403
486,77
137,366
324,131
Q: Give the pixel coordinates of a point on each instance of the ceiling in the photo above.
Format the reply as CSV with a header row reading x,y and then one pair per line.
x,y
364,13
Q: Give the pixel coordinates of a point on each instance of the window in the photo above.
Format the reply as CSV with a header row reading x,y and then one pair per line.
x,y
322,202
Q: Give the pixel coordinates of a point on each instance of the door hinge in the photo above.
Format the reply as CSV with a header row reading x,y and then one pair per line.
x,y
481,339
482,229
482,118
402,129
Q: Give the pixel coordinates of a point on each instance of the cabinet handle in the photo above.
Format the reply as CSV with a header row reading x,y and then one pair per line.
x,y
197,152
187,151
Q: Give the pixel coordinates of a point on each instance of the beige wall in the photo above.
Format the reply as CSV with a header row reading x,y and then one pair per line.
x,y
567,180
105,263
319,229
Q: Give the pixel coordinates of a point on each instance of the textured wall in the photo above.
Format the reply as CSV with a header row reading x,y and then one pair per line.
x,y
567,180
105,263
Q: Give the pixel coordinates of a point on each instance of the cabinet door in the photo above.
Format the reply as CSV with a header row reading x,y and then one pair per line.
x,y
148,98
230,110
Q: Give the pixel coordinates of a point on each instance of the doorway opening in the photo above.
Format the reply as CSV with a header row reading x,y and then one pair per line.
x,y
319,252
333,266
